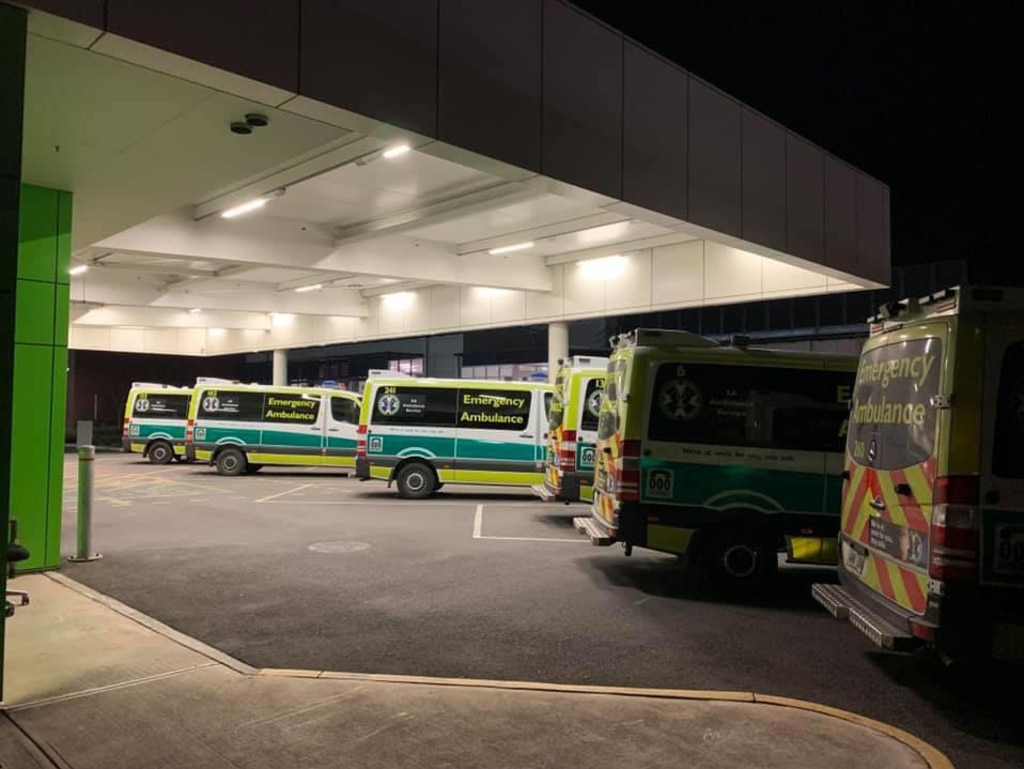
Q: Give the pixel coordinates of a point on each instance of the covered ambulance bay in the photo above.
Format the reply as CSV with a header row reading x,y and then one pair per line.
x,y
197,179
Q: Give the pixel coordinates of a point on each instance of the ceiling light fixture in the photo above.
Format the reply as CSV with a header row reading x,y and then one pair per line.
x,y
397,151
251,205
195,311
78,269
314,287
510,249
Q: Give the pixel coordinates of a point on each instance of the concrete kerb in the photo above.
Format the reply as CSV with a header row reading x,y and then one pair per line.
x,y
931,755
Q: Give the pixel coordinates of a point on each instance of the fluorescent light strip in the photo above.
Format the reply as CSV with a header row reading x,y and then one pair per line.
x,y
244,208
195,311
397,151
314,287
78,269
511,249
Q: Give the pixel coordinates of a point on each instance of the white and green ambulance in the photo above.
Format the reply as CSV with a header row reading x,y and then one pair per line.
x,y
239,428
155,417
722,455
424,433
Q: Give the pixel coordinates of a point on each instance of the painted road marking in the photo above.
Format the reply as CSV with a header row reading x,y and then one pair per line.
x,y
478,526
283,493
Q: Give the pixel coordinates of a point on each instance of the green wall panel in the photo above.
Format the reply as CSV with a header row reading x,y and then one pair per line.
x,y
61,314
64,238
37,234
58,411
30,447
35,311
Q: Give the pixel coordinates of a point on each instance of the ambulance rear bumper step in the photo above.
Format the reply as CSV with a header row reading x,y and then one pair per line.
x,y
542,491
843,605
593,531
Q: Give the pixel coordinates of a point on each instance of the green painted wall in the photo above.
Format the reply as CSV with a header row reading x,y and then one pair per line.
x,y
40,372
12,92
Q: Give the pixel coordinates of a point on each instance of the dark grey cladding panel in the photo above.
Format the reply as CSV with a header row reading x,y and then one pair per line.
x,y
654,133
89,12
805,205
260,44
582,140
715,189
376,58
489,79
840,215
873,234
764,181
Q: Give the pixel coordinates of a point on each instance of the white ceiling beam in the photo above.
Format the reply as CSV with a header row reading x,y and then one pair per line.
x,y
458,207
153,269
159,317
618,248
263,241
347,150
540,233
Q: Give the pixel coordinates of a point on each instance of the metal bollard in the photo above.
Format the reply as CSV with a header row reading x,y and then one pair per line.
x,y
86,462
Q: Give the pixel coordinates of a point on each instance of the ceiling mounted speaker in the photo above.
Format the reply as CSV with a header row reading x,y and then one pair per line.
x,y
257,120
243,129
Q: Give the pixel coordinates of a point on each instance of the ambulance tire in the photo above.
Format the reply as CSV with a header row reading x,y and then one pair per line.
x,y
740,558
231,462
416,480
160,453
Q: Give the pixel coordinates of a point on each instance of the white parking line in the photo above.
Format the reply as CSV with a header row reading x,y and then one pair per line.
x,y
282,493
478,525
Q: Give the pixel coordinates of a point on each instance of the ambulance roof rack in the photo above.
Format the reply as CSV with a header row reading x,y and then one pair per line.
x,y
214,380
656,337
954,299
154,385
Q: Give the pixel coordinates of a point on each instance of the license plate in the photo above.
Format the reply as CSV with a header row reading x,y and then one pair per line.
x,y
1008,546
853,560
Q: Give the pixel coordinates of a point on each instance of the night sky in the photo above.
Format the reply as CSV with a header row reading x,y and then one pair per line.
x,y
922,95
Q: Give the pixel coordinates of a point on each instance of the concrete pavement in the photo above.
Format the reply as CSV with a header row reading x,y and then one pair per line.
x,y
93,683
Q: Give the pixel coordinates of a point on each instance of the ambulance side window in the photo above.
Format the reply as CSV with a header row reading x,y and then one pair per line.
x,y
591,406
1008,453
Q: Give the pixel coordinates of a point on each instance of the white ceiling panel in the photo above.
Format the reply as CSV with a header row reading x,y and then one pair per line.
x,y
542,210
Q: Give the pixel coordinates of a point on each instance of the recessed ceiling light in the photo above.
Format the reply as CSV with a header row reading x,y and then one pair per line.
x,y
397,151
78,269
510,249
314,287
195,311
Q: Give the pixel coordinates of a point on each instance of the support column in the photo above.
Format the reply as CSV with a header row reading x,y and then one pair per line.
x,y
280,371
12,103
558,347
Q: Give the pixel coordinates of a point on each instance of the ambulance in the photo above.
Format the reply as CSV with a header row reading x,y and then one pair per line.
x,y
932,522
572,430
155,416
421,434
721,455
239,428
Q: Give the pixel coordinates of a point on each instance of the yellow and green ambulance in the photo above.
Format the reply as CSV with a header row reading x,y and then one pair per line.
x,y
155,418
572,430
721,455
424,433
932,524
239,428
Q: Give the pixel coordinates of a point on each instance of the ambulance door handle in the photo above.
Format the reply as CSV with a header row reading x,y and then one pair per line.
x,y
526,435
904,490
845,475
333,430
877,504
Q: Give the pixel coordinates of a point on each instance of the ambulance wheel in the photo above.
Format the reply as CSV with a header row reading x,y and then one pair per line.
x,y
231,462
416,481
160,453
741,558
